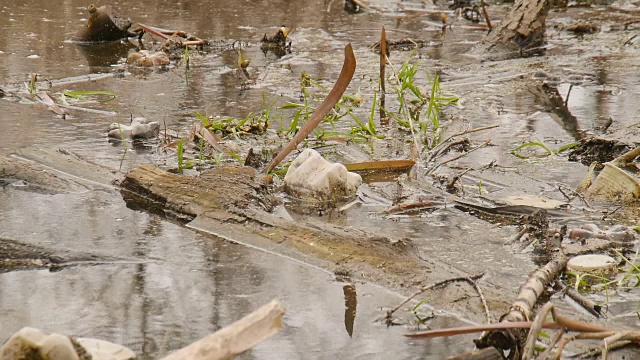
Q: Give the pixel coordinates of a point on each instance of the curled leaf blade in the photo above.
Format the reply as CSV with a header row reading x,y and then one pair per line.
x,y
346,74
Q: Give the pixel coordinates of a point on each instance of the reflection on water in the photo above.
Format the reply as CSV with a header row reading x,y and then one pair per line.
x,y
190,285
101,56
187,287
350,305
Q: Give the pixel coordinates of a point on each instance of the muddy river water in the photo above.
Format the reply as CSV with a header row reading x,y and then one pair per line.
x,y
171,285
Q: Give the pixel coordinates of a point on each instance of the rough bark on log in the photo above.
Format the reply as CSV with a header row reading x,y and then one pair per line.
x,y
185,197
521,33
228,201
522,307
235,338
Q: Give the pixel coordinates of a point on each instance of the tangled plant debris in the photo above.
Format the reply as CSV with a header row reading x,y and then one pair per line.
x,y
413,108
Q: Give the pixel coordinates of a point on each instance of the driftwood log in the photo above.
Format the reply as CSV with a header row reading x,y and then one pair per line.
x,y
521,33
522,307
236,338
234,200
231,203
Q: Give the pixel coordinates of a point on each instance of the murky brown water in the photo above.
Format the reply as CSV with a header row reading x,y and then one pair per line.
x,y
180,285
174,285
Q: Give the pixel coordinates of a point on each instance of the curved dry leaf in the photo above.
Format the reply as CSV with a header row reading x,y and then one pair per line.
x,y
210,137
346,74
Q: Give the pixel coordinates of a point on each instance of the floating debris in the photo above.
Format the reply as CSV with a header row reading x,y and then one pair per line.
x,y
616,182
30,343
277,44
352,6
147,59
104,24
280,38
583,27
140,128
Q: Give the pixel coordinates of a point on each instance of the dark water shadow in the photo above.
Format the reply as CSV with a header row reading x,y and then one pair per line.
x,y
100,56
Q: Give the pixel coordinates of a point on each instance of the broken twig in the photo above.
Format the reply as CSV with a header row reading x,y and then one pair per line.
x,y
469,279
458,157
384,120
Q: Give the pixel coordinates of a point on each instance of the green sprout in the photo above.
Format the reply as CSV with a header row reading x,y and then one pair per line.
x,y
540,144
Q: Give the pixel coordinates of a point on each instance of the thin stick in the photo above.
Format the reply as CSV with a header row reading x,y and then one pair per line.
x,y
590,306
437,150
597,351
627,157
456,178
194,42
442,150
413,205
442,143
486,15
564,341
430,287
578,326
612,340
527,353
568,93
554,340
575,194
484,302
479,328
154,31
483,128
383,63
93,111
519,236
459,156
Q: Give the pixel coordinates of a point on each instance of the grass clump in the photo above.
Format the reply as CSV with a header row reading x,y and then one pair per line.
x,y
417,110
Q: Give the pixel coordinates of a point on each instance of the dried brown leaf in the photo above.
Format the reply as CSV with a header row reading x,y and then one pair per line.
x,y
346,74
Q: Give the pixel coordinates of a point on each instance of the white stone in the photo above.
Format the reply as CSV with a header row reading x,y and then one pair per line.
x,y
140,128
593,263
312,178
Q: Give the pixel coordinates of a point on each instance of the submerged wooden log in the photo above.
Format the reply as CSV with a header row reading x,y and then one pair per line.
x,y
212,193
234,195
231,203
521,33
236,338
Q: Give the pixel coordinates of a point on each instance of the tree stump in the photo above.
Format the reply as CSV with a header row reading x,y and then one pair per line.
x,y
521,33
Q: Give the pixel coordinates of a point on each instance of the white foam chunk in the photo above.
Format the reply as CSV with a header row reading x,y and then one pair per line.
x,y
312,178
